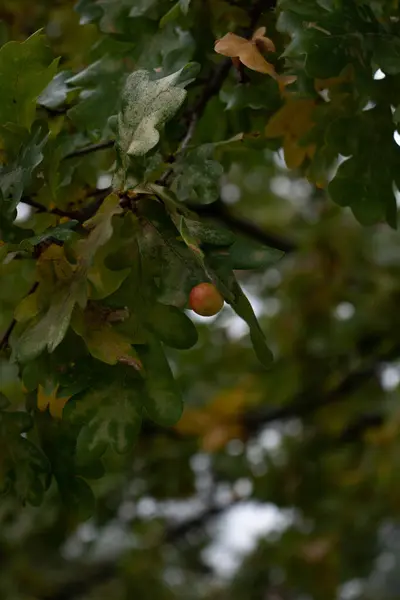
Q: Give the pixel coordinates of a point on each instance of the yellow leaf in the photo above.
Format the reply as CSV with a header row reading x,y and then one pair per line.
x,y
102,340
294,117
221,420
293,121
28,308
230,403
46,399
53,259
194,421
294,154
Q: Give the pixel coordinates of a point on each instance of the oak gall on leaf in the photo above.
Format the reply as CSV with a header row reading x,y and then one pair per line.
x,y
205,300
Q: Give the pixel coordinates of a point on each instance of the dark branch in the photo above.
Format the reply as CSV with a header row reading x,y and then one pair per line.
x,y
106,571
221,212
309,401
89,149
41,208
4,340
6,337
78,215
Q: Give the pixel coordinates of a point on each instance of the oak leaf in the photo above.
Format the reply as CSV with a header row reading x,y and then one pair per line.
x,y
293,121
249,53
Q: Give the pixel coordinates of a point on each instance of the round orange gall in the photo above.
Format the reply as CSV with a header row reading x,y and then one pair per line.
x,y
205,300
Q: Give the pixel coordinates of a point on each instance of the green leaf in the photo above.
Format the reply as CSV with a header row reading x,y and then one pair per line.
x,y
23,463
387,53
141,7
101,229
366,188
220,261
249,95
172,326
99,85
325,57
172,265
146,106
170,48
184,6
243,308
4,401
173,14
112,262
10,383
110,416
61,233
101,338
163,402
93,470
49,328
197,176
85,374
247,254
56,92
17,175
78,497
89,10
25,70
207,233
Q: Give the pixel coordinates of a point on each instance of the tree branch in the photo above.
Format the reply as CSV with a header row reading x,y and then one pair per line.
x,y
106,571
79,215
89,149
6,337
218,210
309,401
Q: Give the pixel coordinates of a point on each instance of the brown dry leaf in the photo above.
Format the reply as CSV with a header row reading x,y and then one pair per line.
x,y
249,53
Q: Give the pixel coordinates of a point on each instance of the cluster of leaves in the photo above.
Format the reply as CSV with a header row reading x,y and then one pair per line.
x,y
110,289
337,47
95,283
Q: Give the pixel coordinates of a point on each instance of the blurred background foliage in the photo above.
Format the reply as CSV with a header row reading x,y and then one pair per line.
x,y
274,485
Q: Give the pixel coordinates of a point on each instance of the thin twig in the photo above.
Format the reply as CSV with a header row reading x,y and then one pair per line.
x,y
41,208
213,86
89,149
6,337
78,215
